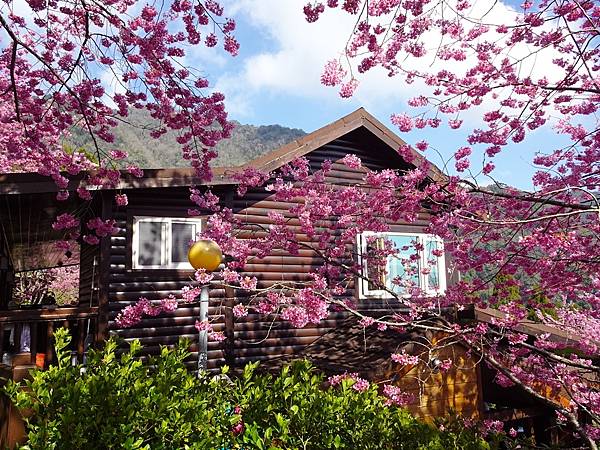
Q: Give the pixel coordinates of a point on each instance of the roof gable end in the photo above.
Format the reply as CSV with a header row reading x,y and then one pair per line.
x,y
335,130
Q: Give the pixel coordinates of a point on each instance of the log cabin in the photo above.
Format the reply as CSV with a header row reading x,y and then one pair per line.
x,y
147,258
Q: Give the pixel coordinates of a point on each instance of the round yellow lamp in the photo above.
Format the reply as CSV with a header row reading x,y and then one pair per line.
x,y
205,254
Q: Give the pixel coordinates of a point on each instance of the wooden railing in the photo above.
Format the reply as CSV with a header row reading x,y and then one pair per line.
x,y
26,335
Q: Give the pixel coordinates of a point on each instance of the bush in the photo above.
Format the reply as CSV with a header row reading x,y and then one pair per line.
x,y
293,410
119,402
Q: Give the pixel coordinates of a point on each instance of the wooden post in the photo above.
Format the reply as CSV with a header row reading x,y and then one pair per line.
x,y
203,334
229,326
49,342
102,327
81,332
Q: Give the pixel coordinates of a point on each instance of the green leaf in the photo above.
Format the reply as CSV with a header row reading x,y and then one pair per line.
x,y
337,441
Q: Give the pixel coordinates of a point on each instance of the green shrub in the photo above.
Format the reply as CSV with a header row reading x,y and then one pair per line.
x,y
294,411
119,402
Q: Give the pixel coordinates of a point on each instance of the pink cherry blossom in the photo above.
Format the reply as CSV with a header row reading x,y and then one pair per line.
x,y
240,311
405,359
403,122
121,199
396,396
347,89
333,74
248,283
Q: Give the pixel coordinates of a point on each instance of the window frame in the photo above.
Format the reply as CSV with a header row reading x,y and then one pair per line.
x,y
166,248
424,238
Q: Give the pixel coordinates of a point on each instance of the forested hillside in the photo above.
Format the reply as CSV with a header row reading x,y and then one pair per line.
x,y
246,143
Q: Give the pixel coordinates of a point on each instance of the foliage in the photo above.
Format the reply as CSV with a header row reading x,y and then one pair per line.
x,y
292,410
120,402
245,143
116,401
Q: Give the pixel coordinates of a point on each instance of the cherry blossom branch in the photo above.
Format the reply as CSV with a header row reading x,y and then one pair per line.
x,y
565,412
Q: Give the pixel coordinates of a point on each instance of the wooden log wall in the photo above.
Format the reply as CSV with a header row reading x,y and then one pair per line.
x,y
259,337
255,337
127,285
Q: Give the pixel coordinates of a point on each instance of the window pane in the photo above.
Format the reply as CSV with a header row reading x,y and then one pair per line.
x,y
181,235
149,243
433,263
404,265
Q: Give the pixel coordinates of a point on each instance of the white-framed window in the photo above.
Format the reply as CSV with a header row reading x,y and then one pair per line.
x,y
417,261
163,242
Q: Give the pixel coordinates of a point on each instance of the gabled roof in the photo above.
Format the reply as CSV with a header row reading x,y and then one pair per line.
x,y
335,130
20,183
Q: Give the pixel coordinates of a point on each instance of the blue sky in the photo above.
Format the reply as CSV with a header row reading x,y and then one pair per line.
x,y
275,79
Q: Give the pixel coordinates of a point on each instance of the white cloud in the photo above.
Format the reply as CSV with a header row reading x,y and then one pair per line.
x,y
300,52
301,49
207,60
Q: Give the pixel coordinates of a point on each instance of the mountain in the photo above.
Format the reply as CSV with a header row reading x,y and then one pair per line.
x,y
246,143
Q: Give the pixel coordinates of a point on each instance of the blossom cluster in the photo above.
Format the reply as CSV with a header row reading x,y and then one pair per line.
x,y
358,384
396,396
58,77
131,315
